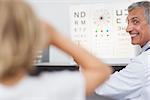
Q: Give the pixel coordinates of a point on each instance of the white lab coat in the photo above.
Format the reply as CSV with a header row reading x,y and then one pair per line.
x,y
132,82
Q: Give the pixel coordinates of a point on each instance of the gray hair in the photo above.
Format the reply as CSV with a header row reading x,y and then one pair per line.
x,y
143,4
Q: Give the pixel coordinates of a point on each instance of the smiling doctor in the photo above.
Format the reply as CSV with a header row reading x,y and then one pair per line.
x,y
133,82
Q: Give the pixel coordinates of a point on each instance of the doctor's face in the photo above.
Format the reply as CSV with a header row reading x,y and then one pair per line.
x,y
138,27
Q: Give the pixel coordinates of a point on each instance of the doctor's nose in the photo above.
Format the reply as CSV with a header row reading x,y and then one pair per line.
x,y
129,28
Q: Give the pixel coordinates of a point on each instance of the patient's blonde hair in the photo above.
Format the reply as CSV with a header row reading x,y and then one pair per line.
x,y
20,32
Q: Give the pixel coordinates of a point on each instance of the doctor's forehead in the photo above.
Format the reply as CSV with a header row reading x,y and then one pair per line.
x,y
136,13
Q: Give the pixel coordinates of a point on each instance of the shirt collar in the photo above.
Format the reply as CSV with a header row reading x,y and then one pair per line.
x,y
146,46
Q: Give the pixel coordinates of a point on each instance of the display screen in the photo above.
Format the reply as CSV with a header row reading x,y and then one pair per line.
x,y
98,26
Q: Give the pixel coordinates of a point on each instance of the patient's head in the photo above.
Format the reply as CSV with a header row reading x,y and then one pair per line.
x,y
19,35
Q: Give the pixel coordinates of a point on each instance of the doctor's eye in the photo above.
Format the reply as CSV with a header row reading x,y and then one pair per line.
x,y
135,22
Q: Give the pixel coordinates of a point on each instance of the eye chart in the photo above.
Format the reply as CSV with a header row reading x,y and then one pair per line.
x,y
100,29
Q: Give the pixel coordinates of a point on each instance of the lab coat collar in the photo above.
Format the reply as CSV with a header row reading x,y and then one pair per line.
x,y
147,45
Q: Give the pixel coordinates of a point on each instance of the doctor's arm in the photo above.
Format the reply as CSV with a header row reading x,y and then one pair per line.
x,y
126,83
